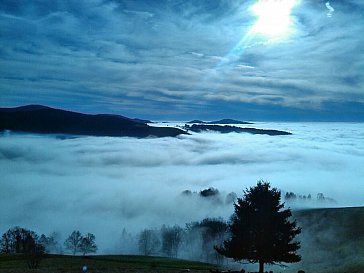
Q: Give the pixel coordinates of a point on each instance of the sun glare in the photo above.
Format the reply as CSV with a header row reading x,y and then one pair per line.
x,y
274,17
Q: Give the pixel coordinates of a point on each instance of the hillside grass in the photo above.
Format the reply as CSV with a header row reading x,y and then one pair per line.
x,y
332,240
17,263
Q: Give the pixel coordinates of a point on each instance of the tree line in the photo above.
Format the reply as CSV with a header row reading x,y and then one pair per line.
x,y
320,197
195,241
259,231
22,240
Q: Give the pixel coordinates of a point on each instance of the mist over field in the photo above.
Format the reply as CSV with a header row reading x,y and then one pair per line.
x,y
104,184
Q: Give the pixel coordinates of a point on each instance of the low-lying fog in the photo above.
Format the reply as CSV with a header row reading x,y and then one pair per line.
x,y
104,184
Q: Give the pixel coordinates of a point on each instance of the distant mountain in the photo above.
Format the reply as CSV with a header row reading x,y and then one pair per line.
x,y
198,128
196,121
43,119
221,121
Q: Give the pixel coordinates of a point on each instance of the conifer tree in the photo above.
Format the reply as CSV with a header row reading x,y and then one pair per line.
x,y
261,231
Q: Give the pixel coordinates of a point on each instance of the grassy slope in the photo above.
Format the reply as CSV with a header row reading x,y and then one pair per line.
x,y
104,263
332,239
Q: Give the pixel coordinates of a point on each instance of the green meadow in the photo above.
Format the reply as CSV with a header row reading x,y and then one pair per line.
x,y
101,264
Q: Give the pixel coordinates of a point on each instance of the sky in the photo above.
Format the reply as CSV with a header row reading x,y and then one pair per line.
x,y
104,184
185,59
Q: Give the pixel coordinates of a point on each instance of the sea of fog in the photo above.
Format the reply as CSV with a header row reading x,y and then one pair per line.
x,y
104,184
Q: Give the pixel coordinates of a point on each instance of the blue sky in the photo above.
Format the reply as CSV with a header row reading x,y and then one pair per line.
x,y
184,59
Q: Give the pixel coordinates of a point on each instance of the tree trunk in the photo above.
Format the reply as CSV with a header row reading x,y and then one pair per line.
x,y
261,266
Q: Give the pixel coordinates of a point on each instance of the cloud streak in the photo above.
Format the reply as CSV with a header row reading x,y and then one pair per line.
x,y
330,8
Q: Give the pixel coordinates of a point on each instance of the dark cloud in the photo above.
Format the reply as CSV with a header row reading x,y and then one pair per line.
x,y
121,56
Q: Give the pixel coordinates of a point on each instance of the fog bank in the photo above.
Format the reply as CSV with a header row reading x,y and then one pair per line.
x,y
105,184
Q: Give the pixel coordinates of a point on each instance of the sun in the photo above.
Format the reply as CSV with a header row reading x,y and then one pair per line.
x,y
274,17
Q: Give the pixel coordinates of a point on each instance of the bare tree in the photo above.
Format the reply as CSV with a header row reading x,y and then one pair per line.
x,y
171,240
20,240
148,242
73,242
88,244
49,242
204,235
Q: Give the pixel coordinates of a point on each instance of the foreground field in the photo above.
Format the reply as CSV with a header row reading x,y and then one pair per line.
x,y
332,242
101,264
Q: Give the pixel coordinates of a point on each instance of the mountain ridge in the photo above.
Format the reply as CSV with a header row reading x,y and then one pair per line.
x,y
224,129
48,120
220,121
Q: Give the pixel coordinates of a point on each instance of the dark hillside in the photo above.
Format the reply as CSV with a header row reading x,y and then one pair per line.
x,y
42,119
224,129
332,239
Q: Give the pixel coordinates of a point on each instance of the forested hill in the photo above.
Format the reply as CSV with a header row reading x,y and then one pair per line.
x,y
43,119
224,129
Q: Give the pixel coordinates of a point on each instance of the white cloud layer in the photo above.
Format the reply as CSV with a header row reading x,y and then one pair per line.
x,y
100,185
